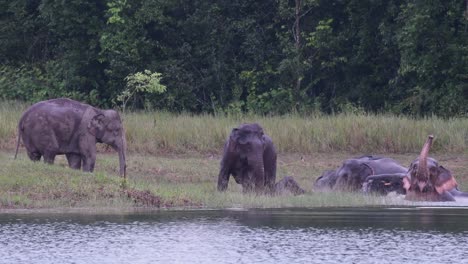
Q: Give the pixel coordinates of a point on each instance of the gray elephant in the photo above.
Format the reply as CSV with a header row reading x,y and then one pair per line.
x,y
354,172
250,157
63,126
384,184
326,181
426,180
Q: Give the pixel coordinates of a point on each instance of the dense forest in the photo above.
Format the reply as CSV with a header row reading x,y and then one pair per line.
x,y
233,56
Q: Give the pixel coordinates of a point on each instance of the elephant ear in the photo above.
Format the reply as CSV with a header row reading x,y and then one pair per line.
x,y
409,174
445,181
96,126
365,171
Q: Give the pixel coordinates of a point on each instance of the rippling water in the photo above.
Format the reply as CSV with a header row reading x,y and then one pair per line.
x,y
356,235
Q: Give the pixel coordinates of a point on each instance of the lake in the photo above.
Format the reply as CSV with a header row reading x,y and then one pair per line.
x,y
329,235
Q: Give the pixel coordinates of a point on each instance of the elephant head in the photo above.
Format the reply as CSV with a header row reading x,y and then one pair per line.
x,y
351,175
426,180
384,184
326,181
248,142
106,127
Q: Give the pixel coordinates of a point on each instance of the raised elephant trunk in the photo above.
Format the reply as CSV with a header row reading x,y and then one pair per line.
x,y
422,173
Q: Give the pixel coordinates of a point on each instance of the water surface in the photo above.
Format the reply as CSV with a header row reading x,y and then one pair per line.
x,y
337,235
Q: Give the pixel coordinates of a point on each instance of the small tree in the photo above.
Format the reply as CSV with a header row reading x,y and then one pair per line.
x,y
143,82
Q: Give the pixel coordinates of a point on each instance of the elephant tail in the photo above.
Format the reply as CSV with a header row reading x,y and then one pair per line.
x,y
19,138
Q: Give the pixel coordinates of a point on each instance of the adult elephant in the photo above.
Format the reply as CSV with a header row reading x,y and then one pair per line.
x,y
353,172
250,157
64,126
426,180
351,175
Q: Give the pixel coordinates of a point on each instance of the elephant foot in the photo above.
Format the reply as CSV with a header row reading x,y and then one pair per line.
x,y
288,186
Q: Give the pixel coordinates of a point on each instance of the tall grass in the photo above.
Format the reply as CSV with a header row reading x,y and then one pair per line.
x,y
10,113
156,132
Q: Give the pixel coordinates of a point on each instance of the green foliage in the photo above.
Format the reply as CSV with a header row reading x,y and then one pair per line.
x,y
141,82
433,47
114,11
265,57
32,83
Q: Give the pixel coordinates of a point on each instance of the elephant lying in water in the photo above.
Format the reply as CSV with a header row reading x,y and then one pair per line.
x,y
352,174
63,126
429,182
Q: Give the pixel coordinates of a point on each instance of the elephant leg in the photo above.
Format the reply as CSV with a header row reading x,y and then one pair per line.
x,y
87,148
34,156
88,162
223,178
49,157
74,161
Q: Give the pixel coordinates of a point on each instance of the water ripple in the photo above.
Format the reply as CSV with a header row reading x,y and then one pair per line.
x,y
226,238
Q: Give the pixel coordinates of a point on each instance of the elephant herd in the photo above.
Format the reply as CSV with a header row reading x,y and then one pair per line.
x,y
64,126
250,157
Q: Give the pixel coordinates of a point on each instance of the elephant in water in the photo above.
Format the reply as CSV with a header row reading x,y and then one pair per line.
x,y
63,126
384,184
250,157
426,180
352,174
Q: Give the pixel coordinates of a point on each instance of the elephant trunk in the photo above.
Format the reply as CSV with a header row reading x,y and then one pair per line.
x,y
422,173
258,167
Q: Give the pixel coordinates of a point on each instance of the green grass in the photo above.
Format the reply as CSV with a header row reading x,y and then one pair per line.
x,y
179,181
162,132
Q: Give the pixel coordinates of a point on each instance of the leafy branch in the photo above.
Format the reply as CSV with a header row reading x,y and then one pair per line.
x,y
141,82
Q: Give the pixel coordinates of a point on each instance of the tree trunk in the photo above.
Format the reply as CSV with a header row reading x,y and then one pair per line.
x,y
122,150
297,44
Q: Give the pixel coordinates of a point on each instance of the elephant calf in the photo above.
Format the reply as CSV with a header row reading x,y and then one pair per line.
x,y
63,126
250,157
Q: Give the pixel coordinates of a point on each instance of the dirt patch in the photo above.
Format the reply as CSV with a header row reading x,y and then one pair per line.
x,y
145,198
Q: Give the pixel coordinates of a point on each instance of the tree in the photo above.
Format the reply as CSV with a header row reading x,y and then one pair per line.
x,y
141,82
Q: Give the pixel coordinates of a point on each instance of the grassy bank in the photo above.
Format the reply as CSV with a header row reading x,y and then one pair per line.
x,y
173,160
175,181
160,132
